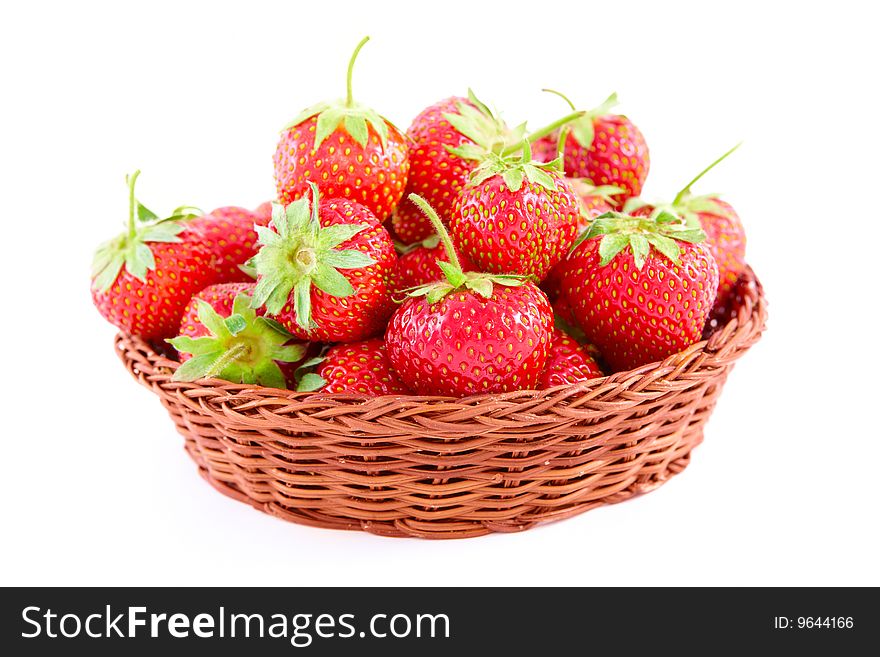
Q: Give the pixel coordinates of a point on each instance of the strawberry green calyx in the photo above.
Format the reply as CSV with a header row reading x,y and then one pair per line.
x,y
307,380
482,126
353,116
130,249
685,204
300,253
515,169
241,348
582,129
662,231
456,278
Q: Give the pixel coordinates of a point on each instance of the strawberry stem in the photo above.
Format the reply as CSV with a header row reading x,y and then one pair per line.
x,y
546,130
687,188
132,204
349,99
442,233
562,96
233,354
560,148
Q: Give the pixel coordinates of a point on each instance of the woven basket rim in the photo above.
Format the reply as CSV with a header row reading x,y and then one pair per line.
x,y
746,325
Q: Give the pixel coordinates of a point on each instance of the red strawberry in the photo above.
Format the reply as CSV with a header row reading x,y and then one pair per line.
x,y
725,235
264,213
143,279
640,288
568,362
726,239
220,297
419,266
608,149
228,233
222,337
359,368
594,200
345,148
439,138
472,333
324,270
515,216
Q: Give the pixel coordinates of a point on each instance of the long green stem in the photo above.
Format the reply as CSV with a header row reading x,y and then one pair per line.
x,y
349,99
687,188
546,130
562,96
132,204
442,233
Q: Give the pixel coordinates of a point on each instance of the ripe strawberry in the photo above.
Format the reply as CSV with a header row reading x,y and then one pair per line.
x,y
222,337
607,149
567,363
594,200
263,213
419,266
358,368
640,288
515,216
725,235
347,149
324,270
220,297
143,279
228,233
471,333
440,138
726,239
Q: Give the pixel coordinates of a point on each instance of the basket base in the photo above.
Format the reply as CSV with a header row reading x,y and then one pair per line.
x,y
439,529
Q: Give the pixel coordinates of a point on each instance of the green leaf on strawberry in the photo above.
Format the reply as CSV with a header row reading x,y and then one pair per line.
x,y
583,129
242,348
300,253
662,231
353,117
130,249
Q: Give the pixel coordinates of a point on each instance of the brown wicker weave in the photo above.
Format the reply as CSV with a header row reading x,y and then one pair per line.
x,y
434,467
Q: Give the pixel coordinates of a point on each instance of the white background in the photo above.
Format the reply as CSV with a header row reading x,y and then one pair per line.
x,y
95,487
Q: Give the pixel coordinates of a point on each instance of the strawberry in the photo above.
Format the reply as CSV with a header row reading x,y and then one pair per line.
x,y
221,336
640,288
440,138
725,235
605,148
594,200
515,216
228,233
567,363
472,333
347,149
324,270
143,279
419,266
264,213
358,368
220,297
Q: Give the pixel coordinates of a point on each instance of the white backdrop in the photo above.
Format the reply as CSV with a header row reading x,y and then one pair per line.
x,y
95,487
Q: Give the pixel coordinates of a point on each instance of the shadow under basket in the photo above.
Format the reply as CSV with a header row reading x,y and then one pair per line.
x,y
435,467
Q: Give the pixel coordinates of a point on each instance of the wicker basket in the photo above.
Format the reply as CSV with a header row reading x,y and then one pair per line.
x,y
435,467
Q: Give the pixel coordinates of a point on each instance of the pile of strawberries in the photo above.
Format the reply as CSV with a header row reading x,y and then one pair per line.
x,y
461,257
